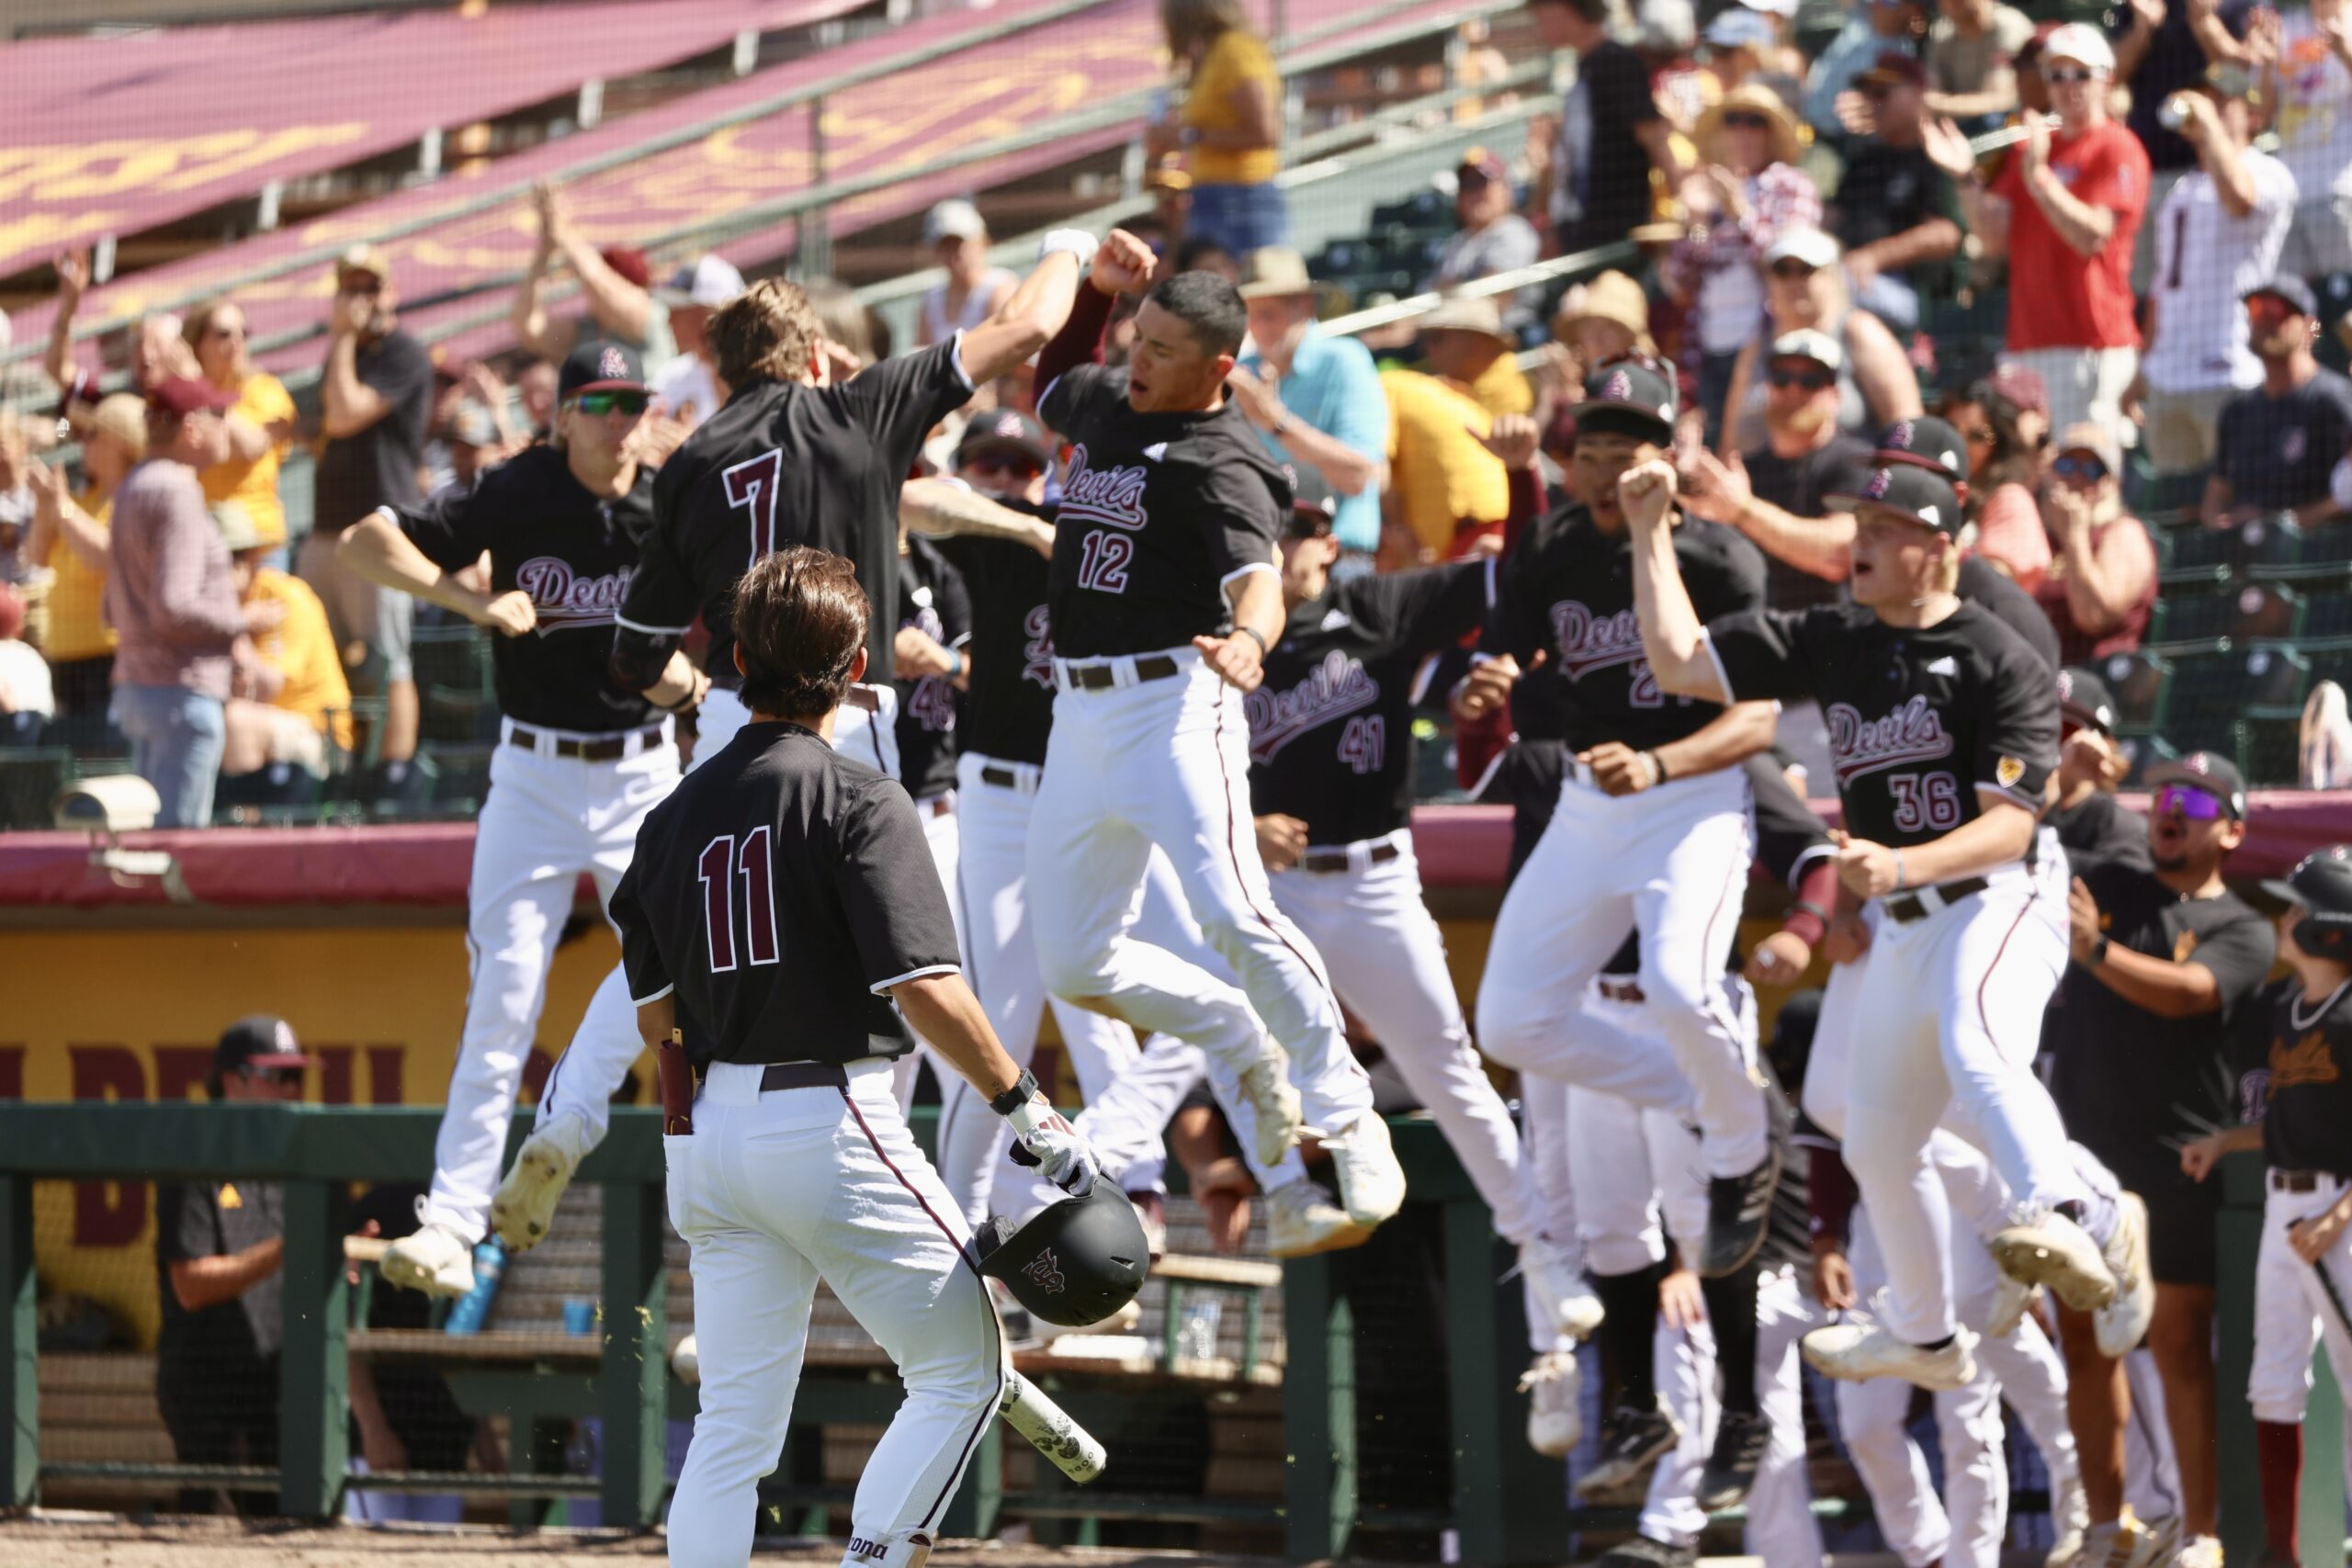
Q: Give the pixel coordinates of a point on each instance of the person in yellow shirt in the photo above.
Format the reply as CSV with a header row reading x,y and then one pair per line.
x,y
288,693
1465,341
1229,125
1444,486
261,424
69,537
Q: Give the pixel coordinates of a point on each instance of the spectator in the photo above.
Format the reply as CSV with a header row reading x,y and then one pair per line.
x,y
1315,399
1774,492
2217,234
18,501
1805,292
1446,490
173,601
959,238
1896,214
28,702
2279,442
1465,341
1748,193
1201,254
2003,465
288,696
1600,321
402,1416
70,537
1171,185
1970,61
2162,47
157,350
617,282
2093,827
1229,124
259,425
2064,210
2305,64
375,398
534,390
219,1247
2030,395
475,442
1882,28
2101,586
1595,187
1740,43
1492,238
688,386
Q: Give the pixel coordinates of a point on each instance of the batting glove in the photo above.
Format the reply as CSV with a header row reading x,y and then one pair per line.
x,y
1043,1139
1076,242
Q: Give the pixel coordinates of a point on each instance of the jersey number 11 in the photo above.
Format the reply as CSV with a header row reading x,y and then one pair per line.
x,y
718,869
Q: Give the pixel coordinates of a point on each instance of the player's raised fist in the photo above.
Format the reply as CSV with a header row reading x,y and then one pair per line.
x,y
510,613
1486,687
1644,491
1122,264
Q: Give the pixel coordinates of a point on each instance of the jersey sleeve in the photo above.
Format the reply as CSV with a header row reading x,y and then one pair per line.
x,y
184,1228
451,526
1787,833
660,607
1427,610
891,891
954,595
1516,622
2239,954
2017,733
1726,579
1066,393
900,400
1245,519
648,974
1763,653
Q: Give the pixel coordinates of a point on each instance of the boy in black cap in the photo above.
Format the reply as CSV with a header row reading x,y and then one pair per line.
x,y
2094,829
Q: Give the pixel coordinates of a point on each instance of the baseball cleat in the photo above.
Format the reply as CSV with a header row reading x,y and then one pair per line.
x,y
1565,1295
2012,1299
434,1260
1739,1209
1300,1221
1267,1088
2041,1246
2198,1551
1740,1441
1632,1441
1372,1184
1554,1420
1857,1350
2124,1322
2125,1543
525,1206
1643,1553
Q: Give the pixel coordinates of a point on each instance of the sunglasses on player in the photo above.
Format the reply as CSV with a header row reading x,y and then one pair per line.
x,y
1814,380
598,405
999,463
2186,800
2079,467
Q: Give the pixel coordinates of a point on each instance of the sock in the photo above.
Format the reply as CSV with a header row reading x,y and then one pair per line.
x,y
2278,1445
1939,1344
1730,1311
1627,1331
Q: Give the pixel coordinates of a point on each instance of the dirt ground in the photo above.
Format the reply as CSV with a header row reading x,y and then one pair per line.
x,y
93,1542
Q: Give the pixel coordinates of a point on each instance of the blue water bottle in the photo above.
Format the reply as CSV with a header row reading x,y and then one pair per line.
x,y
472,1309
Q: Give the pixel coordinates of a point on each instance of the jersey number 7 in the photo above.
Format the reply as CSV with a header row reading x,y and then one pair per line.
x,y
718,867
750,486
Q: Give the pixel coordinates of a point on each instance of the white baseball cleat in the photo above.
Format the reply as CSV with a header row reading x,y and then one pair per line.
x,y
1554,1421
525,1202
434,1260
2041,1246
1561,1287
1372,1184
2124,1322
1300,1221
2012,1299
1858,1351
1267,1088
2125,1543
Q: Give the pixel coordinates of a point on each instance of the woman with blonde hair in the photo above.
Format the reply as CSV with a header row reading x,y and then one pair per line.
x,y
69,537
260,424
1229,125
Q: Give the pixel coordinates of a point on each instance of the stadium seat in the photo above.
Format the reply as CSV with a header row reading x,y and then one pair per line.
x,y
2142,753
2214,689
462,773
278,793
2160,499
2329,616
2207,555
30,777
2299,555
454,698
2192,620
2142,683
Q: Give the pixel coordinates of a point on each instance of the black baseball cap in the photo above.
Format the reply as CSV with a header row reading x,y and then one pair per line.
x,y
1005,430
2321,882
2084,698
600,367
2208,771
1310,517
264,1042
1628,398
1916,490
2290,288
1925,440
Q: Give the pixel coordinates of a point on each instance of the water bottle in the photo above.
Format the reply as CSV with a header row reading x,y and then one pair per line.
x,y
1197,1338
473,1308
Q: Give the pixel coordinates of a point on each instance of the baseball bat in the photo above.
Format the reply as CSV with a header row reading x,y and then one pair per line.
x,y
2328,1283
1048,1426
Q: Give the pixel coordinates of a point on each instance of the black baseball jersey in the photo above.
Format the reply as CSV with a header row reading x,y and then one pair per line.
x,y
1009,706
930,599
2011,605
196,1220
2294,1057
1331,727
783,463
575,554
2132,1084
1920,719
1159,512
1567,588
780,891
1788,835
2099,831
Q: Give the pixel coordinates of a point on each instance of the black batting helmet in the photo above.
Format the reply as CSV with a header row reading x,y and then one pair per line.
x,y
2321,885
1076,1262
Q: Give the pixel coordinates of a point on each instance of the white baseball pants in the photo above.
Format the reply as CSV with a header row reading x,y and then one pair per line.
x,y
1673,863
1544,1109
547,820
943,835
870,737
1166,762
1781,1527
1387,961
774,1192
2151,1464
1684,1365
2292,1309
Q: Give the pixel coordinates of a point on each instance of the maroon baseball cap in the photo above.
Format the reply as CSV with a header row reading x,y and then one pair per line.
x,y
2021,385
1483,164
184,395
631,263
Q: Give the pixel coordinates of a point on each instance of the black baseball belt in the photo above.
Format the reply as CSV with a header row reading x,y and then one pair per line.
x,y
802,1075
1907,908
2304,1181
1102,677
585,749
1342,860
1001,776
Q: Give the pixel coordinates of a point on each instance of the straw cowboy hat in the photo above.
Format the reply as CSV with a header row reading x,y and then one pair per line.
x,y
1612,297
1787,146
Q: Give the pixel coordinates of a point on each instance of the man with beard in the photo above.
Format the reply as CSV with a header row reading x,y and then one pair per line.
x,y
2279,442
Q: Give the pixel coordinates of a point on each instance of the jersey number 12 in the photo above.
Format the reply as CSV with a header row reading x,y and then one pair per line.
x,y
719,868
1102,561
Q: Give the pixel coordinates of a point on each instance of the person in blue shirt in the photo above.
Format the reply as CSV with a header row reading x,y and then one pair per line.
x,y
1881,26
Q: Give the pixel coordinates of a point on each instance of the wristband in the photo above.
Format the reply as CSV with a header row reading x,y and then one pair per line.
x,y
1023,1091
2098,951
1252,634
1657,766
1073,242
1901,877
956,663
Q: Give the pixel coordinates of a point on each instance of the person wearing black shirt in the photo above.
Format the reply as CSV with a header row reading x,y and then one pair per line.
x,y
2093,827
1895,211
1164,600
1945,729
580,761
220,1248
1652,826
1610,133
798,456
786,901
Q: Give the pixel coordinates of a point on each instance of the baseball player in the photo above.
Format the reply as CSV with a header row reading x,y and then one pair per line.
x,y
580,761
1165,598
1944,726
1651,828
785,898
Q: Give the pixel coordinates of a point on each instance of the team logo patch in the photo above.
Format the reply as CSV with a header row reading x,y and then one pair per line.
x,y
1899,436
1881,482
2292,446
612,365
2183,945
1045,1272
2197,762
1618,388
2007,771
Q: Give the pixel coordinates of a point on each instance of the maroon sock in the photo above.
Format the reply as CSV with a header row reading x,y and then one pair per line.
x,y
2280,1446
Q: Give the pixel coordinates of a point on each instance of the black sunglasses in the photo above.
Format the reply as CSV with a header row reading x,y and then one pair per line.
x,y
1792,271
1811,380
600,404
2074,467
2067,74
1000,463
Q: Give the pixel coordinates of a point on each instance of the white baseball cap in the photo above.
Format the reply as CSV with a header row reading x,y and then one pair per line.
x,y
1806,344
2083,44
1811,246
954,218
708,280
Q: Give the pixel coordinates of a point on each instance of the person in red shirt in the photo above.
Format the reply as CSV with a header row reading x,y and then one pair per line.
x,y
2066,210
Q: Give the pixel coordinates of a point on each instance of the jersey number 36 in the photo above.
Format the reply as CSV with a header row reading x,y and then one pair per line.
x,y
1924,801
